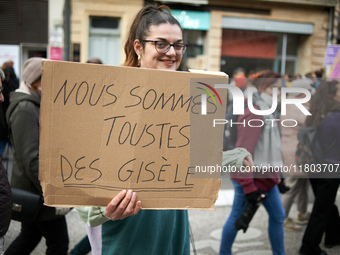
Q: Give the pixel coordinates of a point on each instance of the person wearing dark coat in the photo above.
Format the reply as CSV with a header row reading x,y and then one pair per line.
x,y
324,221
5,194
5,206
11,82
23,120
3,123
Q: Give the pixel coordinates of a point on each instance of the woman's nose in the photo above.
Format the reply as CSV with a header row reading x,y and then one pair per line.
x,y
171,51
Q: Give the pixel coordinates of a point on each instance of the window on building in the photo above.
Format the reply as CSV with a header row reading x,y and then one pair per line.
x,y
193,58
104,39
255,50
287,51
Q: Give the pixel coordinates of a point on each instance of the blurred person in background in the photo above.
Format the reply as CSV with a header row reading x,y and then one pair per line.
x,y
263,142
9,84
5,190
3,122
94,61
11,81
325,110
297,181
23,120
239,80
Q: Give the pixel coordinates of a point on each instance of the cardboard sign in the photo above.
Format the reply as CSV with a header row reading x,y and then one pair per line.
x,y
106,128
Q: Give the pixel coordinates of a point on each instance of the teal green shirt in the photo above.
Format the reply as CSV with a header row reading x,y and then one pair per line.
x,y
150,232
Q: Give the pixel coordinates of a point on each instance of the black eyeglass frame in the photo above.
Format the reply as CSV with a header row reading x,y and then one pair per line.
x,y
170,44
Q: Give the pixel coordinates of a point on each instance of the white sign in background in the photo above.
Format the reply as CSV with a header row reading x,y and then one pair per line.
x,y
10,52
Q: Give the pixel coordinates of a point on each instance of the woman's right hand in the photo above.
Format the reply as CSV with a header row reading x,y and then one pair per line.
x,y
248,162
123,205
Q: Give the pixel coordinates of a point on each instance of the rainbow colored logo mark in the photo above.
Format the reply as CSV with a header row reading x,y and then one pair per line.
x,y
209,93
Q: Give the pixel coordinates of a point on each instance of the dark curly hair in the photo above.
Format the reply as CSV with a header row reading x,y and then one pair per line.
x,y
322,102
265,79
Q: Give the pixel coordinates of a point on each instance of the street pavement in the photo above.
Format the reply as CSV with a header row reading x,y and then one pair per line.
x,y
206,226
207,229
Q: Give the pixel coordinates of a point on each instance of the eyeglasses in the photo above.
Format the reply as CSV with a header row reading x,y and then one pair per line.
x,y
1,89
164,46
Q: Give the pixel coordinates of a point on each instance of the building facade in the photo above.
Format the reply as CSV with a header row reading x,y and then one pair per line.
x,y
288,36
23,30
98,29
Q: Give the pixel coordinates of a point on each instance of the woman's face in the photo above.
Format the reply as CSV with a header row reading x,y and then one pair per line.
x,y
269,90
150,58
36,86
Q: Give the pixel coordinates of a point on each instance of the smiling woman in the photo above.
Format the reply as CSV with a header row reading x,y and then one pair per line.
x,y
150,57
155,41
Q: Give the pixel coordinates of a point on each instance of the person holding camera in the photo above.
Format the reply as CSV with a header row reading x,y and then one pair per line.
x,y
252,185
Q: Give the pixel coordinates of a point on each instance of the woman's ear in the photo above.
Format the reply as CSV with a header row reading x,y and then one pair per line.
x,y
137,47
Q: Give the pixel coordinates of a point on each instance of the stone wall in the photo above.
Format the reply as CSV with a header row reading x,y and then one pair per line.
x,y
312,48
